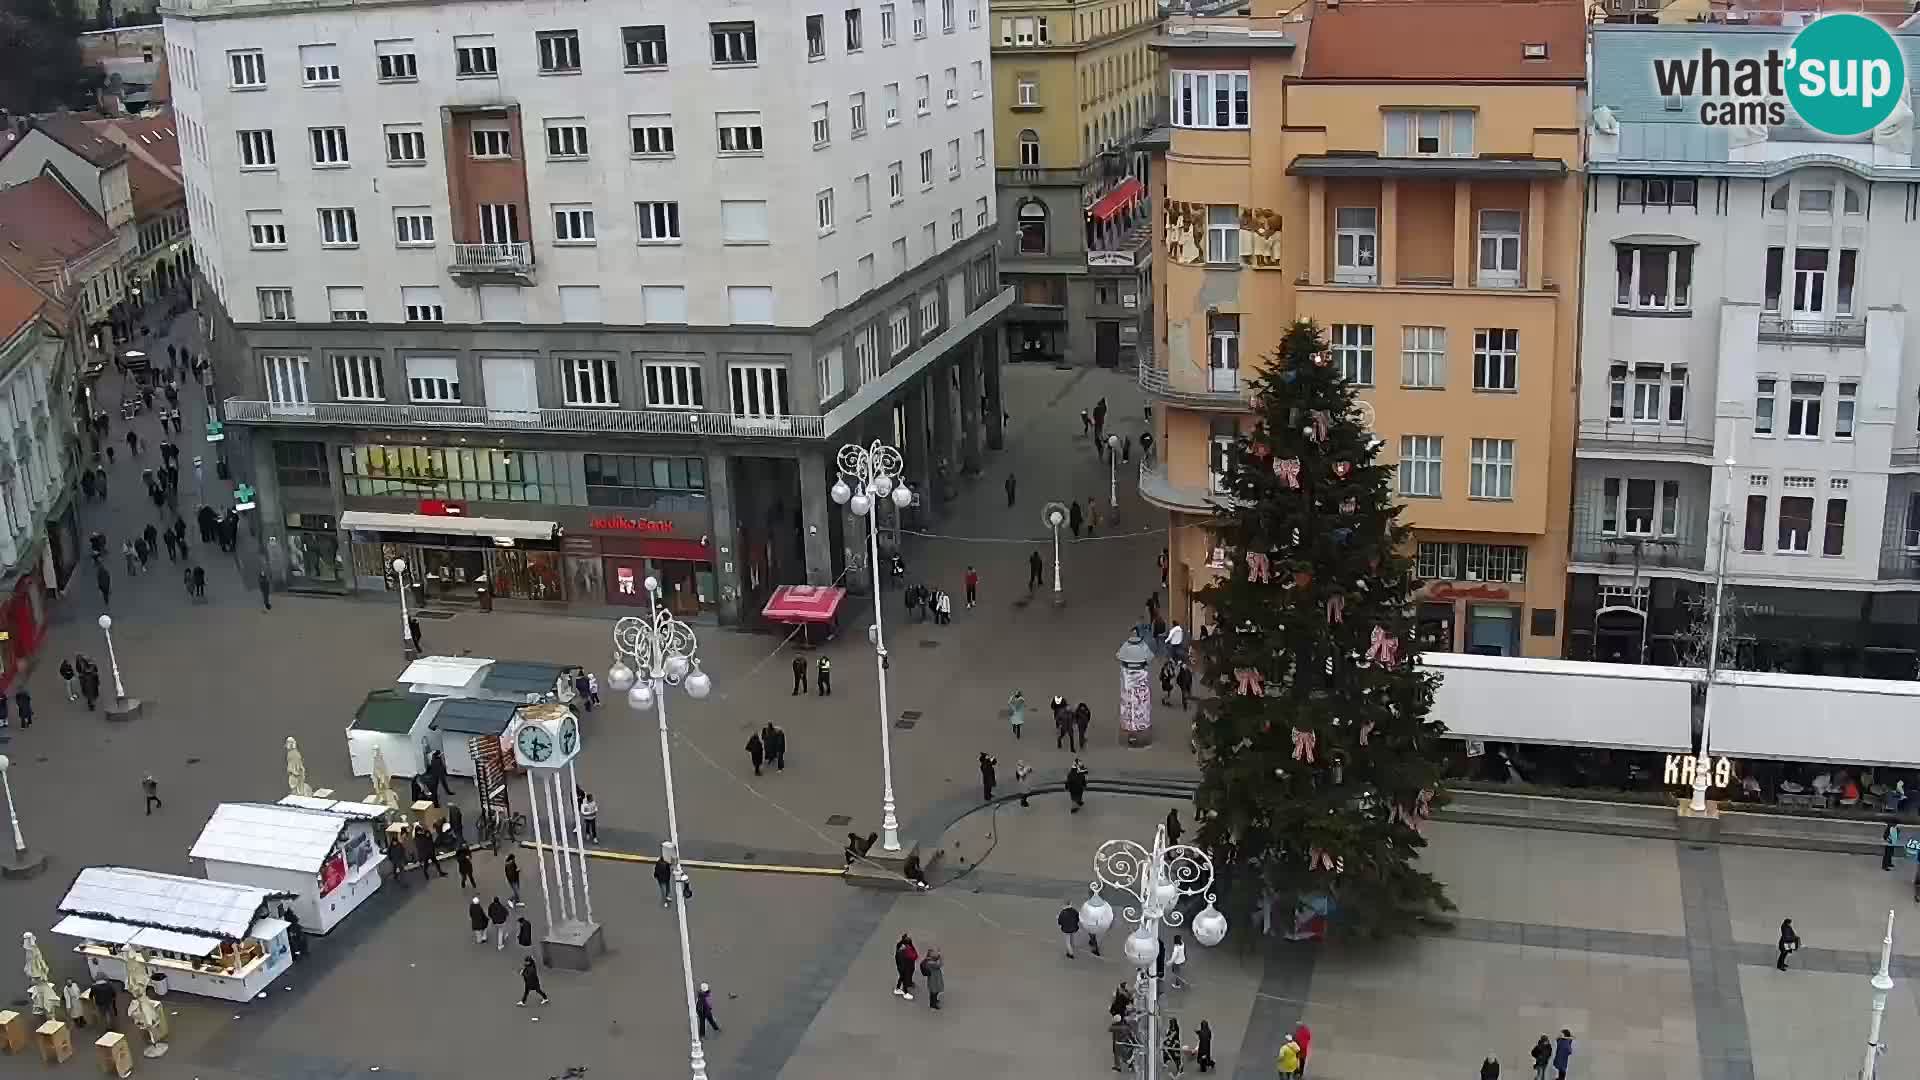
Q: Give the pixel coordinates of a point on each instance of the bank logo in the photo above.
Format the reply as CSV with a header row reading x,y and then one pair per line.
x,y
1841,75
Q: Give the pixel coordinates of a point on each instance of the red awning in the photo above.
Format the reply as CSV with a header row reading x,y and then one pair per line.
x,y
1117,200
804,603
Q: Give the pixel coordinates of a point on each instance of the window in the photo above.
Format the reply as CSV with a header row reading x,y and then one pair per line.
x,y
956,225
733,43
919,18
1220,445
857,114
743,222
1855,202
499,223
1652,277
890,98
1223,235
1490,469
901,328
1755,532
673,384
433,380
1763,407
566,139
660,222
580,304
866,354
1026,94
267,229
664,304
1816,200
759,390
664,483
1032,217
339,227
822,125
329,145
646,46
1353,352
559,51
828,374
276,305
422,303
1776,269
1429,133
572,223
1496,359
1223,353
980,213
396,60
1423,356
249,68
854,27
1355,245
320,65
300,464
979,147
474,56
413,226
406,144
652,135
1809,279
256,149
356,377
929,311
739,132
977,78
1803,408
1796,523
1843,410
1210,99
863,196
926,169
1499,249
823,209
1420,466
286,378
750,304
491,139
1029,148
953,87
347,303
973,14
953,159
1849,265
946,16
922,94
1835,541
1435,562
816,37
1640,496
1657,191
590,381
886,24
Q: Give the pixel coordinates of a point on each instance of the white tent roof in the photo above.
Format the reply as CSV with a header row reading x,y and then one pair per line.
x,y
267,834
143,898
350,809
149,937
444,671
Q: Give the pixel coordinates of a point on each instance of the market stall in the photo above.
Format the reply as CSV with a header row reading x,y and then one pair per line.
x,y
372,811
395,723
459,725
445,676
211,938
526,682
806,606
327,862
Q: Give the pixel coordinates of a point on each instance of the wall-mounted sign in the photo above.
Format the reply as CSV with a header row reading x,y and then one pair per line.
x,y
625,578
1680,769
627,524
442,508
1447,590
1109,258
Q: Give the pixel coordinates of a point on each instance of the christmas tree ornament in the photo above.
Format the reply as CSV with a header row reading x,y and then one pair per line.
x,y
1288,470
1250,682
1349,505
1302,578
1303,743
1383,648
1259,450
1343,469
1259,568
1322,359
1366,732
1336,609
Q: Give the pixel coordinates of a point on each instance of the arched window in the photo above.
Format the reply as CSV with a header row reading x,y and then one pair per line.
x,y
1033,228
1029,147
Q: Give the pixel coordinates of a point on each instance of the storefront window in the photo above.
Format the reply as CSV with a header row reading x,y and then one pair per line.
x,y
313,556
1493,629
653,483
462,474
300,464
453,573
528,575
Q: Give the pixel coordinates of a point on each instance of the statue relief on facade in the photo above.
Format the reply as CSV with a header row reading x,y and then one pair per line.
x,y
1260,238
1186,232
1895,133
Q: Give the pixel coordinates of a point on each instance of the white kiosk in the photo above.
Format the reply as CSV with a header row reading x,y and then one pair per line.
x,y
326,862
200,937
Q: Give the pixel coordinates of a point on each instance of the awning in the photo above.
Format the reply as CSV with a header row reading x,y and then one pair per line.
x,y
1117,200
369,521
1815,718
804,603
1563,702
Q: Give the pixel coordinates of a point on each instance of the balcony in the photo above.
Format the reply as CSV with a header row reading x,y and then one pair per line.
x,y
1037,176
1193,386
1652,441
493,260
1846,332
574,421
1157,489
1654,552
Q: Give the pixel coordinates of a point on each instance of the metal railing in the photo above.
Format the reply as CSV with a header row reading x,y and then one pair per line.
x,y
1218,387
577,421
1159,489
492,258
1652,436
1905,455
1849,331
1899,562
1655,552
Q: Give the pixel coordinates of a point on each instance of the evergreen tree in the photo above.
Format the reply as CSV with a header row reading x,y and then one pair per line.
x,y
40,65
1318,760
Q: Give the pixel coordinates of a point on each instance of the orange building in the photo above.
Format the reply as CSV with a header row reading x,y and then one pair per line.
x,y
1408,174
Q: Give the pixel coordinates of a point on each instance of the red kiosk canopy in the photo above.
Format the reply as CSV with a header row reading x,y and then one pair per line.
x,y
804,603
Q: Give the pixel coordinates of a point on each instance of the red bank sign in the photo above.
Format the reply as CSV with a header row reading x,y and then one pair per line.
x,y
627,524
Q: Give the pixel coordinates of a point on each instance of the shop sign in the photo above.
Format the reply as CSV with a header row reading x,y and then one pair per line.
x,y
627,524
1447,590
442,508
1680,769
332,873
624,578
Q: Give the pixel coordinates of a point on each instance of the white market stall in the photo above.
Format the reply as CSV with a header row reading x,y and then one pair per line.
x,y
445,676
460,724
395,723
1563,702
210,938
371,811
328,862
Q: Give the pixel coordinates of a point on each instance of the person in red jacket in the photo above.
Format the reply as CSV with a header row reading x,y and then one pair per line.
x,y
973,586
1303,1035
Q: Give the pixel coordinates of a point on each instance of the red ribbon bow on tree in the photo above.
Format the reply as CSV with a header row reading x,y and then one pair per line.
x,y
1383,648
1250,682
1303,742
1259,568
1288,470
1320,421
1336,609
1366,729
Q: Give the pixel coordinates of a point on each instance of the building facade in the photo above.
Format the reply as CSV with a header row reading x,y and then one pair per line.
x,y
1076,86
538,296
1745,305
1426,160
97,170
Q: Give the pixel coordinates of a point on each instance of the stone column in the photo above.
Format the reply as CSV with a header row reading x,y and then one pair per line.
x,y
726,558
919,450
815,504
988,341
940,384
1466,245
971,390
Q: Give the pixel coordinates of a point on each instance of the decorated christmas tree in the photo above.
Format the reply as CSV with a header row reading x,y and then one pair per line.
x,y
1319,764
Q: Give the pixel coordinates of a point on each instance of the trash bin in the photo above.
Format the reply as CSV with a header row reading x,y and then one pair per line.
x,y
486,597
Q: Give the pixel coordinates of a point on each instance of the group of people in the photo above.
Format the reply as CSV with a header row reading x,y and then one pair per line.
x,y
1547,1053
924,602
768,746
907,959
824,679
1125,1028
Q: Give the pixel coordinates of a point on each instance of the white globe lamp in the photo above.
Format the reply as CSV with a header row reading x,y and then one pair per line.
x,y
860,504
1209,926
1096,914
902,497
676,667
641,697
840,492
882,486
698,684
1142,947
620,677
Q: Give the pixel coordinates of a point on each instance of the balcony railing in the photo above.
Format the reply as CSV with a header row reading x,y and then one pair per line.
x,y
1905,455
1158,488
1652,437
578,421
1900,562
1190,385
492,258
1655,552
1851,331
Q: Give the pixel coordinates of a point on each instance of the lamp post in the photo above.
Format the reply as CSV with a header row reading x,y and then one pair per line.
x,y
1056,516
651,654
1154,879
123,707
1882,984
23,863
1113,478
875,472
406,624
1703,768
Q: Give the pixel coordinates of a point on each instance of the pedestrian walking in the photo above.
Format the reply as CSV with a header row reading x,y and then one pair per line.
x,y
1062,724
1183,678
1789,943
1016,711
905,956
756,750
1562,1054
1288,1064
1082,719
512,870
463,859
934,969
1303,1035
946,608
1489,1069
973,587
132,555
477,917
1086,422
1069,922
1203,1047
1100,420
151,535
590,817
133,444
89,684
799,676
1023,779
1542,1057
987,762
1010,484
24,702
497,915
423,850
266,591
663,877
1120,1033
1093,516
1036,572
823,677
580,689
173,547
1173,826
67,677
524,934
777,747
1177,965
413,630
1077,785
530,982
703,1008
106,1000
1172,1054
199,583
1074,518
1892,844
150,788
1166,683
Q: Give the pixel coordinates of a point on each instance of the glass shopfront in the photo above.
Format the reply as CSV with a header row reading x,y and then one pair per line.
x,y
452,568
456,473
313,550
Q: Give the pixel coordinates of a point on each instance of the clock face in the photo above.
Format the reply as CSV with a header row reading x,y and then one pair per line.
x,y
534,744
569,736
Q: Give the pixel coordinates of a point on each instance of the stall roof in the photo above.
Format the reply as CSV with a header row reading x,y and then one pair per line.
x,y
522,677
443,671
350,809
1563,702
390,712
1815,718
118,933
804,603
474,716
268,834
145,898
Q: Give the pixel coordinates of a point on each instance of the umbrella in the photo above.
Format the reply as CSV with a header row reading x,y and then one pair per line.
x,y
296,769
46,1000
36,963
137,975
383,781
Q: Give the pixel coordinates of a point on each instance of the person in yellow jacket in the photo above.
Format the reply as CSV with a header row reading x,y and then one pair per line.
x,y
1289,1062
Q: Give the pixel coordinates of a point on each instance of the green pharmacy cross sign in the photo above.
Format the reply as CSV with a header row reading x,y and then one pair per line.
x,y
216,431
243,497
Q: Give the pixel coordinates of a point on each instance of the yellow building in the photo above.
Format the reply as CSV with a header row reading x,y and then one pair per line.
x,y
1407,173
1075,85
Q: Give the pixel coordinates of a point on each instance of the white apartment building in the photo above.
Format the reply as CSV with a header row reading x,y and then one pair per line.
x,y
1746,302
719,239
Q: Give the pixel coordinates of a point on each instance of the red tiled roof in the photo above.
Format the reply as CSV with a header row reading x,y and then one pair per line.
x,y
42,222
19,303
153,160
1447,40
71,131
155,134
